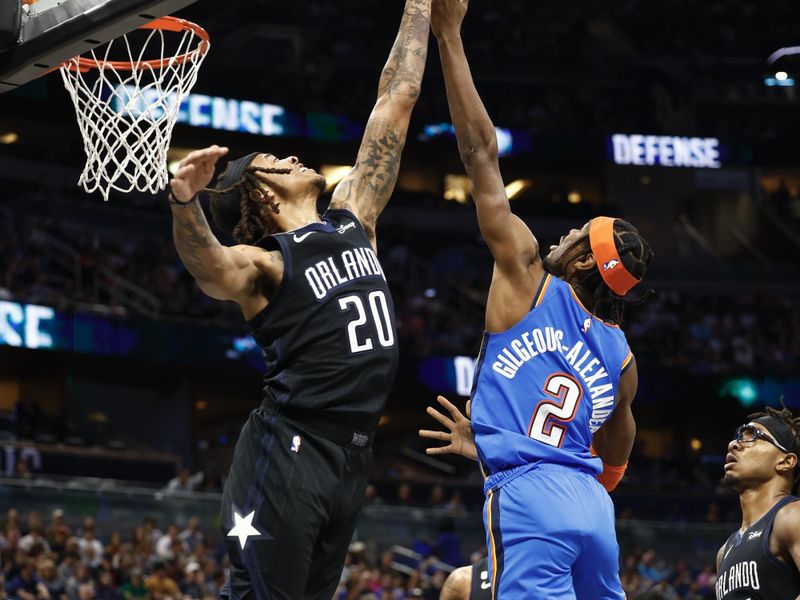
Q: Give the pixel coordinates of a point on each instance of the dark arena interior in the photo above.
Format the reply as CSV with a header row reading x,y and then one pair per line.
x,y
124,388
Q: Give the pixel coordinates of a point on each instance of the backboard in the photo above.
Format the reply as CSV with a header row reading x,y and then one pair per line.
x,y
53,31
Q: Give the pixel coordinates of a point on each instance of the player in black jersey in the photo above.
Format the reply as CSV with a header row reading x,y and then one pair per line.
x,y
468,583
316,299
761,561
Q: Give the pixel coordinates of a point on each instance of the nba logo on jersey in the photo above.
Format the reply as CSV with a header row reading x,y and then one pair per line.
x,y
610,265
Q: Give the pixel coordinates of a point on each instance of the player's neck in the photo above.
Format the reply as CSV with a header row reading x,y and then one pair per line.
x,y
757,501
295,218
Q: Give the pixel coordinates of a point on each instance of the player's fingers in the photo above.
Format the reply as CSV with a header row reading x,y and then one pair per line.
x,y
454,412
212,153
434,435
185,171
210,160
440,417
441,450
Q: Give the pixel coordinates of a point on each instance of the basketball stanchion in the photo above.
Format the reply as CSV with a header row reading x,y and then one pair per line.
x,y
127,109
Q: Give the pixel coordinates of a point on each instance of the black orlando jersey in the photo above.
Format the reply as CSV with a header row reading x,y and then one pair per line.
x,y
749,571
328,334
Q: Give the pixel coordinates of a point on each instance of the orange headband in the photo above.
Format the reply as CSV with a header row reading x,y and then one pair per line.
x,y
613,272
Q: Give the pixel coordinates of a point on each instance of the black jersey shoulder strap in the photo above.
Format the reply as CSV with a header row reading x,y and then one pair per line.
x,y
272,243
773,512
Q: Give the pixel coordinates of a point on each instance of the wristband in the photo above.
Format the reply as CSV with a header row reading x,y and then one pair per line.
x,y
174,201
611,476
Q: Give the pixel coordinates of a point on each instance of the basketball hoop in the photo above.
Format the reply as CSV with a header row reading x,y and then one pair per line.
x,y
128,108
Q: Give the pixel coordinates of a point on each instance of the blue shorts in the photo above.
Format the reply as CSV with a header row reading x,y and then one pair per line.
x,y
550,534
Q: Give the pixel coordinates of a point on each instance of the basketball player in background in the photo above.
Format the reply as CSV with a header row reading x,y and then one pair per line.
x,y
761,561
468,583
317,302
555,372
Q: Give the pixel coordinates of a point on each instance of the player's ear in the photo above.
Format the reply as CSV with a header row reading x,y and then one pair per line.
x,y
585,264
788,463
261,194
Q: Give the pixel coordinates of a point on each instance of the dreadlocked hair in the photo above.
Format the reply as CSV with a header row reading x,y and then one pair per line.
x,y
793,423
635,254
256,220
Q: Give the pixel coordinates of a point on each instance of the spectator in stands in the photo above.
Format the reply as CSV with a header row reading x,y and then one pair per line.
x,y
81,578
86,591
192,586
437,498
56,587
90,547
106,590
68,569
185,482
192,537
455,506
448,544
34,541
371,496
23,470
404,495
159,584
134,588
26,585
57,525
171,546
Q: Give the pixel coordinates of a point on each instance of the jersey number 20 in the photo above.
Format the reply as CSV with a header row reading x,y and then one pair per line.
x,y
544,424
379,308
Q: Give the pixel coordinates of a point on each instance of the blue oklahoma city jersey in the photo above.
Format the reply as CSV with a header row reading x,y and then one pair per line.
x,y
545,386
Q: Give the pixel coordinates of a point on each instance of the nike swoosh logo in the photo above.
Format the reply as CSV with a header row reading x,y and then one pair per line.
x,y
301,238
486,585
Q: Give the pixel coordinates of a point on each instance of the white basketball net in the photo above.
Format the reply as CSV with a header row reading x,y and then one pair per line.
x,y
126,116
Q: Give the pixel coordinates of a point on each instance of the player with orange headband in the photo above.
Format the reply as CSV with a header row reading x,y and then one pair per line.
x,y
555,378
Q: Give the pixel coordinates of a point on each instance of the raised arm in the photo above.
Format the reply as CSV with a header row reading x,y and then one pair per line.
x,y
367,188
511,242
222,273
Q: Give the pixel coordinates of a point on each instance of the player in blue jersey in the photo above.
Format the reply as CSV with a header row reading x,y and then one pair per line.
x,y
555,375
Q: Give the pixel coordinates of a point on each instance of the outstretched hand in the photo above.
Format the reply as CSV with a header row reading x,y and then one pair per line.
x,y
447,16
195,172
458,434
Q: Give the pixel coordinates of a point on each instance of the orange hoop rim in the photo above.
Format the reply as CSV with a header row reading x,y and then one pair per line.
x,y
173,24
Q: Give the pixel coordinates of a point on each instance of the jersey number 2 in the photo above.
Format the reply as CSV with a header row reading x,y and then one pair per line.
x,y
379,308
544,424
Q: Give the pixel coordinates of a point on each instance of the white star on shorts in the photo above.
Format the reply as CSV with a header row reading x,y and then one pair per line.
x,y
244,528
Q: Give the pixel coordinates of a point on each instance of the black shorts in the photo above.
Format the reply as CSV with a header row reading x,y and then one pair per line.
x,y
289,509
481,586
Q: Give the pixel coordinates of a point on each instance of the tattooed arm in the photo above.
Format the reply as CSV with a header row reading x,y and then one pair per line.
x,y
222,273
367,188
